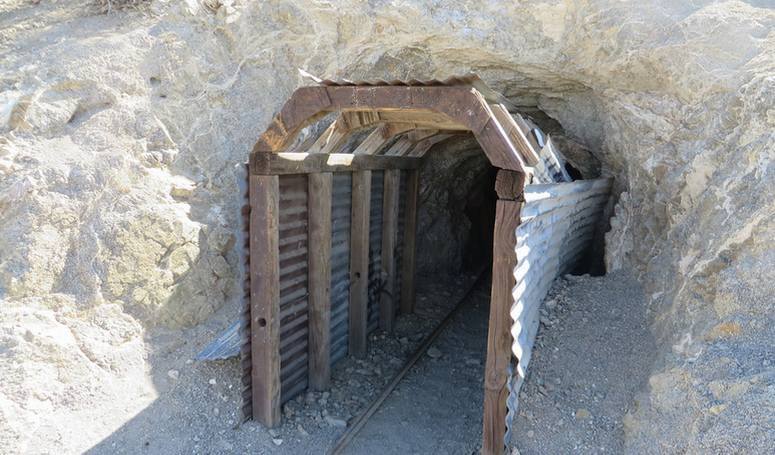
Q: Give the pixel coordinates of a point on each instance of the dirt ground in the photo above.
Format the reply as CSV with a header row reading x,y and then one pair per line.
x,y
591,356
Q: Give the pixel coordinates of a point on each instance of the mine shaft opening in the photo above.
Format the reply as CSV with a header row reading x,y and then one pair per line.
x,y
374,207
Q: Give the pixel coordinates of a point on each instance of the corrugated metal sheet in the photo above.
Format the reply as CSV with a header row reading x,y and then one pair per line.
x,y
375,248
340,263
294,328
399,255
557,225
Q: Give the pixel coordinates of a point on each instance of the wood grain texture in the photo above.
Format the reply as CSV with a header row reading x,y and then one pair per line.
x,y
408,263
499,335
518,137
265,298
319,260
305,163
390,205
359,262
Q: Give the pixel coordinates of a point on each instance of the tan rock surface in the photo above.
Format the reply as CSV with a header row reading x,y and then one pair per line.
x,y
122,136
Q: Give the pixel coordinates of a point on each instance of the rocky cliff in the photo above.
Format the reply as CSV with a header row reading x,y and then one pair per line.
x,y
123,134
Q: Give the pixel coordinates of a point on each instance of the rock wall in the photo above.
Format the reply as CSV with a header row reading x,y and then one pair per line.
x,y
122,136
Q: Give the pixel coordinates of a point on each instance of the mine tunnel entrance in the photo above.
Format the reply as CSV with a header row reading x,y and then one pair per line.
x,y
347,209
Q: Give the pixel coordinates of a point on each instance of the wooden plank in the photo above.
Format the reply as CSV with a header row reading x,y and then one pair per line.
x,y
305,163
424,145
332,138
265,298
359,262
408,289
518,137
375,141
390,203
499,335
319,259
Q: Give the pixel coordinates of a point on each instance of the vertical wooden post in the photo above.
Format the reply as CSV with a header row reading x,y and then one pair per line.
x,y
509,186
319,260
264,193
410,242
359,262
390,201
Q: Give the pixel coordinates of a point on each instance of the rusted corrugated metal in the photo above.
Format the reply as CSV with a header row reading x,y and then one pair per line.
x,y
557,225
340,263
243,323
375,248
294,328
399,255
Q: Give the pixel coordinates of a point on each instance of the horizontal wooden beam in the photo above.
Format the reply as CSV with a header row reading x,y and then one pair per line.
x,y
307,163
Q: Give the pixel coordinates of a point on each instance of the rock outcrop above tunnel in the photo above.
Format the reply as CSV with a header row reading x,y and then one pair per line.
x,y
122,136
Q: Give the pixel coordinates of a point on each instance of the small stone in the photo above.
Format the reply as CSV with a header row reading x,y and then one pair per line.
x,y
546,322
277,442
473,362
582,413
173,374
274,433
530,433
434,353
29,336
302,430
216,411
211,381
336,422
718,409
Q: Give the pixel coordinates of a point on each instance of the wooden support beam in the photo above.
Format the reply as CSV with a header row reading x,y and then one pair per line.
x,y
516,134
424,145
359,262
332,138
264,193
319,269
390,202
499,334
305,163
410,242
375,141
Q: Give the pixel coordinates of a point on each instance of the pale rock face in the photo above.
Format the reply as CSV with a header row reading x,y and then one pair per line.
x,y
122,138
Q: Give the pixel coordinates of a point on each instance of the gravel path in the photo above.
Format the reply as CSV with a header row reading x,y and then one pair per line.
x,y
592,356
437,407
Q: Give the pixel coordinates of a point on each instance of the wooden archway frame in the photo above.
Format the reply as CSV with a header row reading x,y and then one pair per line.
x,y
457,108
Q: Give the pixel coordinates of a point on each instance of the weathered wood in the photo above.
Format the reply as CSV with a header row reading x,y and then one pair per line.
x,y
304,163
402,145
381,135
390,204
319,260
359,262
332,138
518,137
499,335
408,289
498,147
424,145
437,107
264,196
509,185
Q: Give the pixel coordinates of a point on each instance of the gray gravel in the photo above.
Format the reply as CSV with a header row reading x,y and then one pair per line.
x,y
592,355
